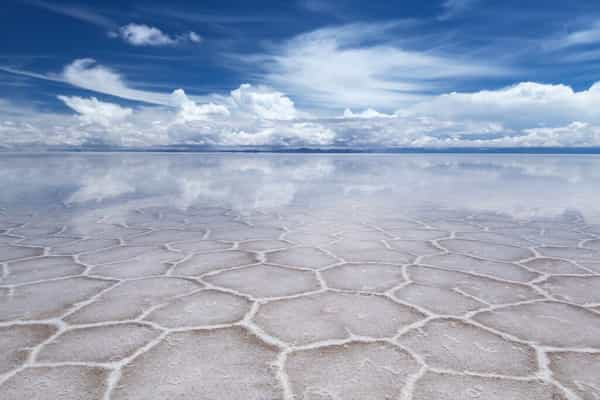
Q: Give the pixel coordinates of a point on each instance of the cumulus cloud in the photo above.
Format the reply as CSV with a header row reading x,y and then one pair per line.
x,y
247,102
525,114
190,111
263,102
575,134
524,105
145,35
446,121
93,111
368,113
249,116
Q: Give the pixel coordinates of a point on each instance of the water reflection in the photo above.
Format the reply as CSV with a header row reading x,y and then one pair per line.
x,y
518,185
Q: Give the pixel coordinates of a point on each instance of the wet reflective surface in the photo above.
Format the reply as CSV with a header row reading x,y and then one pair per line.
x,y
321,277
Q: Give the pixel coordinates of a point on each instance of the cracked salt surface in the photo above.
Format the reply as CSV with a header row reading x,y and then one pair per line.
x,y
361,284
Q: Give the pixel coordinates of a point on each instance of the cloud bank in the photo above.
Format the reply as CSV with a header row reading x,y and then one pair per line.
x,y
526,114
371,92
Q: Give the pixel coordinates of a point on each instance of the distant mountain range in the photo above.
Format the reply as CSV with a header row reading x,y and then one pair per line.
x,y
308,150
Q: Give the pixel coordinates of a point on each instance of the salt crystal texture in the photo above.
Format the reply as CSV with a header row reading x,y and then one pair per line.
x,y
292,277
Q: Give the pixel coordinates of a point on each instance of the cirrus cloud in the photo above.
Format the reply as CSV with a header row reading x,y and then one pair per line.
x,y
360,65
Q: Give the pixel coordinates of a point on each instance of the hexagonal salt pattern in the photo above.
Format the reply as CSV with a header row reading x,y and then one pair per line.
x,y
473,265
308,304
82,246
577,254
59,382
578,371
483,289
212,364
435,386
438,300
160,237
262,281
131,299
415,247
548,323
330,315
575,289
9,253
264,245
49,299
16,342
200,264
355,370
200,246
203,308
41,268
451,344
493,237
495,251
303,257
364,277
554,266
110,343
369,251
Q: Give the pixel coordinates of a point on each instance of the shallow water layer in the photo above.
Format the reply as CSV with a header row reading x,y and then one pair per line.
x,y
315,277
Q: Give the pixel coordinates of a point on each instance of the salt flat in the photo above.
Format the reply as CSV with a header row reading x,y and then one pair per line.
x,y
141,276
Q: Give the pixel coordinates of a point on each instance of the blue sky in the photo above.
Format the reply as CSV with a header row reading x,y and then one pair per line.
x,y
306,73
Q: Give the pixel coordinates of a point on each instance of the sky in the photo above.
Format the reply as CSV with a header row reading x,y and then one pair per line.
x,y
304,73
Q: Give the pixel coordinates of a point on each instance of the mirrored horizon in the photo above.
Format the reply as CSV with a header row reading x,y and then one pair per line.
x,y
517,185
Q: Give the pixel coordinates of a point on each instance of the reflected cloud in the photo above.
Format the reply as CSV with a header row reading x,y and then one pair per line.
x,y
121,183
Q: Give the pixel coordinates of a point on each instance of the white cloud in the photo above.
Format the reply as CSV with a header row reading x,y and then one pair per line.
x,y
453,8
93,111
525,105
86,74
247,102
525,114
132,33
368,113
254,116
99,188
194,37
145,35
76,12
263,102
575,134
191,111
279,134
586,36
358,65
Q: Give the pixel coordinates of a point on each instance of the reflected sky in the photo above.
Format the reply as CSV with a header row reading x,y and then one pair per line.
x,y
521,186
